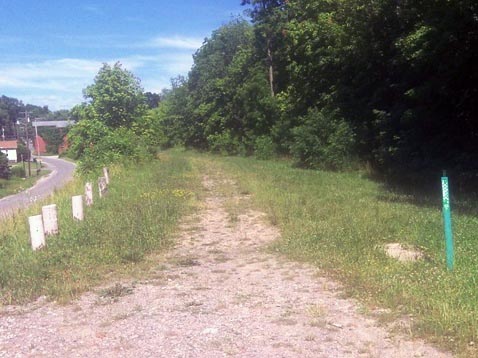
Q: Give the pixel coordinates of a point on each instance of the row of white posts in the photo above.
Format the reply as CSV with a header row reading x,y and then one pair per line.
x,y
46,224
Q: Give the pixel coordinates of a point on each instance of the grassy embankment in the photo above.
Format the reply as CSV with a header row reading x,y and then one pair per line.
x,y
341,221
137,218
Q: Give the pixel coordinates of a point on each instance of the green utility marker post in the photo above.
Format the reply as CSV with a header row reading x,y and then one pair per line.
x,y
447,222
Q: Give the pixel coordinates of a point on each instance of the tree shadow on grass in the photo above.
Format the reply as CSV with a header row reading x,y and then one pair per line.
x,y
424,189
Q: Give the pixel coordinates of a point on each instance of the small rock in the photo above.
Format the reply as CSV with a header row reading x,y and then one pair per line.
x,y
210,330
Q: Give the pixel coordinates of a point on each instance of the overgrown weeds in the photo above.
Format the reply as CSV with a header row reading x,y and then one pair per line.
x,y
135,219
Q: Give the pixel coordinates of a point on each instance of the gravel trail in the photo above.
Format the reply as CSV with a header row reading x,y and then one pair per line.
x,y
218,293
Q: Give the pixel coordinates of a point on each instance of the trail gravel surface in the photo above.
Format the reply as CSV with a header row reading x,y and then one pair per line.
x,y
218,293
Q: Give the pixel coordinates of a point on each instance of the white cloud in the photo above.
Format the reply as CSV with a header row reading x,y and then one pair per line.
x,y
156,85
56,83
178,42
67,67
59,83
102,41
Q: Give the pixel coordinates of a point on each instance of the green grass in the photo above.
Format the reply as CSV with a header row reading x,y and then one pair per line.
x,y
136,219
340,223
337,221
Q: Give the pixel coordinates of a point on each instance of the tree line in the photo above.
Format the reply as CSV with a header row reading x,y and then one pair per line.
x,y
14,126
391,83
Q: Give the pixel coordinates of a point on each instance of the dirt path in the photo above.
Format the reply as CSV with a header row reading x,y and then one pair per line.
x,y
217,294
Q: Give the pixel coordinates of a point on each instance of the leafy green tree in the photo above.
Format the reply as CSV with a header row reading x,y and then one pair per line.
x,y
86,135
393,80
5,172
53,137
323,140
211,88
174,126
10,111
116,97
152,99
22,153
270,18
61,115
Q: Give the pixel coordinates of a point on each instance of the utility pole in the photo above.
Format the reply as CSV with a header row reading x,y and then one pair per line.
x,y
36,136
27,120
38,147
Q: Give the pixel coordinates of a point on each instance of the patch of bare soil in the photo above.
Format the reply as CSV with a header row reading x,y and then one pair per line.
x,y
401,253
217,294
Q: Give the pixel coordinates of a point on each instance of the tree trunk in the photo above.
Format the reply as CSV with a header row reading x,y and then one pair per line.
x,y
271,68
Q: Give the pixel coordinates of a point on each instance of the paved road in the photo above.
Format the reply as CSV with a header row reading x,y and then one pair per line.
x,y
61,172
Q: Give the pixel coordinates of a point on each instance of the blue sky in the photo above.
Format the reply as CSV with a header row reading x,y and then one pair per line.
x,y
51,49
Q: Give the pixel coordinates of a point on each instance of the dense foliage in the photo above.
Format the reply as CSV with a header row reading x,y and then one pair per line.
x,y
390,82
331,83
53,137
13,110
5,171
16,121
113,124
116,97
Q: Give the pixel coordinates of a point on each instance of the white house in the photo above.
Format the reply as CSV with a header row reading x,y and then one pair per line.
x,y
9,148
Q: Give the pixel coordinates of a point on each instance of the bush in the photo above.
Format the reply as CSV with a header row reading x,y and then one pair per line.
x,y
5,172
264,148
119,145
22,152
323,140
84,135
18,172
223,143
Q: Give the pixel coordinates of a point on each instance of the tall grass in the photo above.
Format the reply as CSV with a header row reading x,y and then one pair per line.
x,y
341,222
136,218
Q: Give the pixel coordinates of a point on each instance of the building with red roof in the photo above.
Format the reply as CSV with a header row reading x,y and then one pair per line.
x,y
9,148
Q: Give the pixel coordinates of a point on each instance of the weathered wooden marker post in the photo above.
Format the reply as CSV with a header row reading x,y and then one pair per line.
x,y
106,174
89,194
102,186
447,222
37,233
77,205
50,219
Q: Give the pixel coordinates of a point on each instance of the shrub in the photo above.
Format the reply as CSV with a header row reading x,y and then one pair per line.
x,y
264,148
4,167
22,152
323,140
18,172
85,135
223,143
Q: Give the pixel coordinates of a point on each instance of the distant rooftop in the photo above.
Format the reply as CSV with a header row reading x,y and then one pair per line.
x,y
57,124
8,144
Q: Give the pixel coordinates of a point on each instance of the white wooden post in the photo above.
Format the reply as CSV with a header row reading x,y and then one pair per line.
x,y
77,205
50,219
89,194
37,234
106,174
102,186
